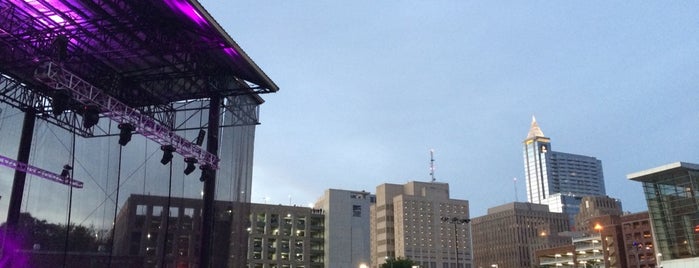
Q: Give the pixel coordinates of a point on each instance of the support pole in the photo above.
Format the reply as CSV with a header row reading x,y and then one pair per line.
x,y
209,176
25,146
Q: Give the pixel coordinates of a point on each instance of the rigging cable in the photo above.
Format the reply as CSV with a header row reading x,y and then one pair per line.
x,y
70,203
116,209
167,218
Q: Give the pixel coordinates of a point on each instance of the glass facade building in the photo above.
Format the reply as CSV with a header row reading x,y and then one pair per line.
x,y
671,193
111,173
558,179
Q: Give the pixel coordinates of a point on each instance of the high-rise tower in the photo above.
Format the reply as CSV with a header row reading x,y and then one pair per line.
x,y
420,222
557,179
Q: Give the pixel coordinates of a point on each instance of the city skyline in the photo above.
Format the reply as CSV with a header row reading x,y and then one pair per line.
x,y
557,179
367,89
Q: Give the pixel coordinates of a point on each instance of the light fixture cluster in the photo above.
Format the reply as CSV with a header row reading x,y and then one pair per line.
x,y
63,101
190,162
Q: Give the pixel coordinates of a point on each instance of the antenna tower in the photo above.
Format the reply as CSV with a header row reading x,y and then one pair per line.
x,y
515,184
432,164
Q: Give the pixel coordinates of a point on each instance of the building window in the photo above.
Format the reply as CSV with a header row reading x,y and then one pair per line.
x,y
356,211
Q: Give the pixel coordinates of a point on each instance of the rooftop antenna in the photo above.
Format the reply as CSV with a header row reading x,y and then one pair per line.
x,y
515,183
432,164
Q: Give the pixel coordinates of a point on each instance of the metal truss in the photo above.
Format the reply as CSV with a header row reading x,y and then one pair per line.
x,y
19,96
45,174
245,110
53,76
107,52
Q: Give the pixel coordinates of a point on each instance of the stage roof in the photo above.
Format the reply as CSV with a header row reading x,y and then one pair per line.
x,y
142,52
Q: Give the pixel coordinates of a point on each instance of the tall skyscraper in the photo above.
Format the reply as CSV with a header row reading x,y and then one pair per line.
x,y
347,243
420,222
557,179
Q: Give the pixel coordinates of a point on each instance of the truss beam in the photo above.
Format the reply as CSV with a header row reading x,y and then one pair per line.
x,y
244,109
42,173
55,77
19,96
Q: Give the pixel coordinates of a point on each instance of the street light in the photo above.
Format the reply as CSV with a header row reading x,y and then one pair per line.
x,y
598,228
391,261
455,221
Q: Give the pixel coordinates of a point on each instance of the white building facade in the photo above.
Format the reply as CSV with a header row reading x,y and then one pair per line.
x,y
347,243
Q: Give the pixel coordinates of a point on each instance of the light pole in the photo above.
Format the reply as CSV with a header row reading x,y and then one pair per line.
x,y
391,261
455,221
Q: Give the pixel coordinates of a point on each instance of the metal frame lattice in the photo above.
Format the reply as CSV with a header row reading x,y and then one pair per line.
x,y
53,76
11,163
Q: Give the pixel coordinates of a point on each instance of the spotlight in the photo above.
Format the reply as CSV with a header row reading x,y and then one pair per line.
x,y
91,115
206,172
167,154
60,102
66,171
190,165
125,132
200,137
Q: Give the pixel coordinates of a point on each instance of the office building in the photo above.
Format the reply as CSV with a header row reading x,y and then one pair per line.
x,y
347,243
145,228
595,206
255,235
286,237
420,222
638,240
509,235
671,193
557,179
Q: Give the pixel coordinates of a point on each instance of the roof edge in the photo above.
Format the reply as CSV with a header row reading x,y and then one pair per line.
x,y
638,176
269,83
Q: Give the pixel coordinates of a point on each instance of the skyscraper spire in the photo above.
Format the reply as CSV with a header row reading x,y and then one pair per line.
x,y
534,130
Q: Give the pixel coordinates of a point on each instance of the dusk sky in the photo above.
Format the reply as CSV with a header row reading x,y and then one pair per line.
x,y
367,88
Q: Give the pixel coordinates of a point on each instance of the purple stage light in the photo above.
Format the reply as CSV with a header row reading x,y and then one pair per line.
x,y
12,255
230,51
188,10
52,13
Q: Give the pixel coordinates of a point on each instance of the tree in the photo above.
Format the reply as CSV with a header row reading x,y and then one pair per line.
x,y
400,262
52,237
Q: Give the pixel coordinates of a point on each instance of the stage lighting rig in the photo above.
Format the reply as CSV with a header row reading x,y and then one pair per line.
x,y
206,172
125,132
63,178
190,165
167,154
65,174
200,137
60,102
94,102
91,115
